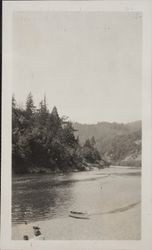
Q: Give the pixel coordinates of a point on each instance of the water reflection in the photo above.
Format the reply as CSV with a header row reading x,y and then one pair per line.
x,y
40,197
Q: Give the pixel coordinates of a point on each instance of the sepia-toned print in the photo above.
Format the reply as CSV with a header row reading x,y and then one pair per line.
x,y
76,125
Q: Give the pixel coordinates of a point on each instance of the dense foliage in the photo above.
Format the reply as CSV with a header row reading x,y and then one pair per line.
x,y
124,144
43,140
118,143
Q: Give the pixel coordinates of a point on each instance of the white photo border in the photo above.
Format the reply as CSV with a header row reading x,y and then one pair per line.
x,y
145,7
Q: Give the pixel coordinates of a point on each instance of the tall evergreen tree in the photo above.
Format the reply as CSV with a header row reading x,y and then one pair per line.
x,y
43,113
30,108
54,122
90,153
14,105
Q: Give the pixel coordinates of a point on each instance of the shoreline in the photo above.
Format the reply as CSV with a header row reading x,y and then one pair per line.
x,y
91,229
115,216
89,167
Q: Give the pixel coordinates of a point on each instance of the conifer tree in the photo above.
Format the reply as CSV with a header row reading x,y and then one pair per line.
x,y
30,108
43,112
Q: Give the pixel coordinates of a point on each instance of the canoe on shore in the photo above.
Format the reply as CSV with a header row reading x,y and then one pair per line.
x,y
79,215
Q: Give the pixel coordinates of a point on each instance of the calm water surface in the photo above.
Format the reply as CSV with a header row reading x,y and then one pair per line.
x,y
40,197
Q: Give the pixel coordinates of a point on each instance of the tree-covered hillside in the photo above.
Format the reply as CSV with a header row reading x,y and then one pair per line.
x,y
43,141
117,143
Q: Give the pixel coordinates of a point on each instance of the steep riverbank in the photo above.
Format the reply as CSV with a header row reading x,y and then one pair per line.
x,y
113,203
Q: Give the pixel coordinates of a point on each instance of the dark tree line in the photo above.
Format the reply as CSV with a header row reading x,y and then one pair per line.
x,y
44,140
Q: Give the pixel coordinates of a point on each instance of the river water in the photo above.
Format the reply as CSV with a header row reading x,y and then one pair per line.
x,y
47,196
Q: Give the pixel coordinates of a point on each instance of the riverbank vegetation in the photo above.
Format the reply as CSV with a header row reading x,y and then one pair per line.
x,y
42,141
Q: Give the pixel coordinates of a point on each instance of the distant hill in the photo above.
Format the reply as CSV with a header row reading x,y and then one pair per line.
x,y
118,143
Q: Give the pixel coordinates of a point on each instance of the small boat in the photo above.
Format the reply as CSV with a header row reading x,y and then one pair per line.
x,y
79,215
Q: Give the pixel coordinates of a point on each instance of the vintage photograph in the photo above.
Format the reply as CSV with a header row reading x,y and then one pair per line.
x,y
76,125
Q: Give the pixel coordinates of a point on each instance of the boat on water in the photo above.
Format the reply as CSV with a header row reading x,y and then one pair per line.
x,y
79,215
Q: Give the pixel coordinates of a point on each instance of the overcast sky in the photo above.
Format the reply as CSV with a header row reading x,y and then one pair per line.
x,y
88,64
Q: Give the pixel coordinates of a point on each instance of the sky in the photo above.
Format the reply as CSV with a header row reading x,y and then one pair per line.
x,y
88,64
